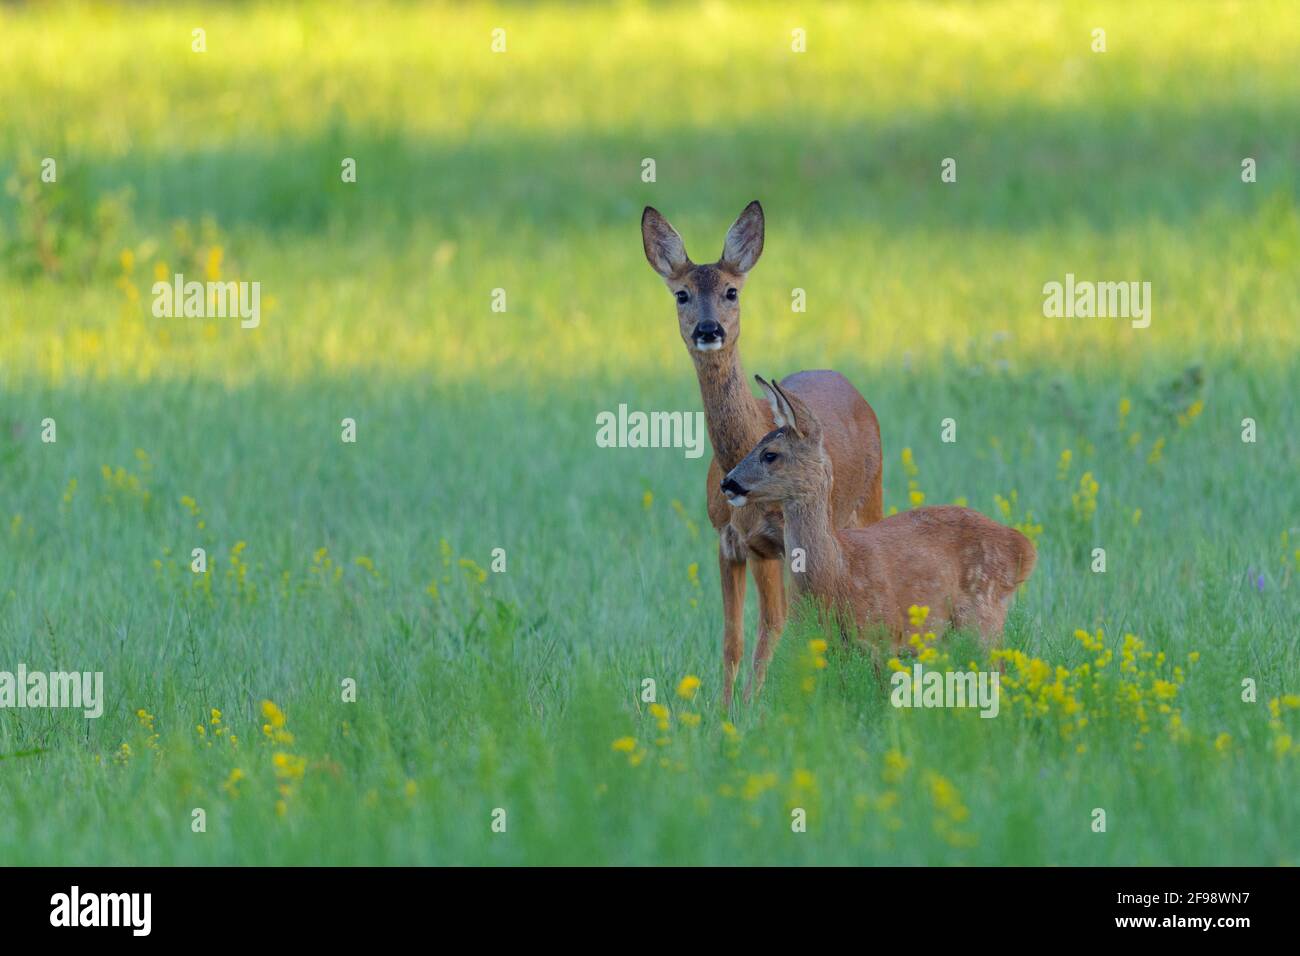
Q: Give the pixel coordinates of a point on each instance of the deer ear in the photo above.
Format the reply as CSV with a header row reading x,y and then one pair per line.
x,y
798,417
744,240
780,409
663,246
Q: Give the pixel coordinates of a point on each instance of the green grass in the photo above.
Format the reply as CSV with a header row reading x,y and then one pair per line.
x,y
522,171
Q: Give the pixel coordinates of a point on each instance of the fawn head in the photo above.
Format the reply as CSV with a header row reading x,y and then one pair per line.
x,y
708,296
787,464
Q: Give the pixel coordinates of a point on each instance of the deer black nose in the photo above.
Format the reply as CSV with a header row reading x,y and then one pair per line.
x,y
708,331
732,487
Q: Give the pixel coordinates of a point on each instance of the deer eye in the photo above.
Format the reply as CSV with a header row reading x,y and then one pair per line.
x,y
770,456
683,296
732,295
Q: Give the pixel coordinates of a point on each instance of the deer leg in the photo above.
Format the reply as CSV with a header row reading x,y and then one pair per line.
x,y
733,621
771,618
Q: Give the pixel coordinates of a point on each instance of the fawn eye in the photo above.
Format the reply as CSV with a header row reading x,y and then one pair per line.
x,y
732,295
770,456
683,296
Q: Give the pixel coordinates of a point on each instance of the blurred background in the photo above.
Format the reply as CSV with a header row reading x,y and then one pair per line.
x,y
521,170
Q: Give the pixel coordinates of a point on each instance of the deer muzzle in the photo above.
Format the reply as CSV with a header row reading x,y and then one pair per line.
x,y
737,494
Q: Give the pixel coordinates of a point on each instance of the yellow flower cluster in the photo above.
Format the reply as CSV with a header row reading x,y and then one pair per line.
x,y
217,728
893,773
274,729
693,575
1084,499
1287,558
1157,451
949,810
756,784
915,496
237,573
662,716
630,746
1192,412
231,786
323,567
817,648
814,661
680,510
896,766
1008,507
192,506
471,567
924,644
120,482
444,552
1063,465
128,288
1140,692
803,792
289,768
474,572
687,689
1284,742
146,721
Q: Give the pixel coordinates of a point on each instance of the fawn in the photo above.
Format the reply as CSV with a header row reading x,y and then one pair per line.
x,y
708,317
963,566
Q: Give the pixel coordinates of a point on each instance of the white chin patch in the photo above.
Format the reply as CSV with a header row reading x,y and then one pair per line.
x,y
737,501
708,346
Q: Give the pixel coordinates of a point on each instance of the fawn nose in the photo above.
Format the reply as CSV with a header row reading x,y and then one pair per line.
x,y
732,488
708,331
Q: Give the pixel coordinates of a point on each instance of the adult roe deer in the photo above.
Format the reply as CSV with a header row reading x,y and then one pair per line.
x,y
708,317
963,566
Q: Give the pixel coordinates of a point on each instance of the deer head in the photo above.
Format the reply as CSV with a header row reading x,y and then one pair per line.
x,y
788,464
708,296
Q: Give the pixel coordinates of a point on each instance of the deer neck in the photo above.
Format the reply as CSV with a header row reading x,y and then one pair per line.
x,y
808,527
731,413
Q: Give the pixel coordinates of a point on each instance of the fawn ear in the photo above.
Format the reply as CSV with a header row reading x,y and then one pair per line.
x,y
799,417
744,240
781,413
663,246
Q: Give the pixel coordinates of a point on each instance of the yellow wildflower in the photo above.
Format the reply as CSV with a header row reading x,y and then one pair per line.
x,y
688,686
895,765
273,714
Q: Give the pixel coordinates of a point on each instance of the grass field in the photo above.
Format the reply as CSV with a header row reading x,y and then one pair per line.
x,y
522,690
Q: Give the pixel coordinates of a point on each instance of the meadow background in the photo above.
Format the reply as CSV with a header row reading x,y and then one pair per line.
x,y
521,170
